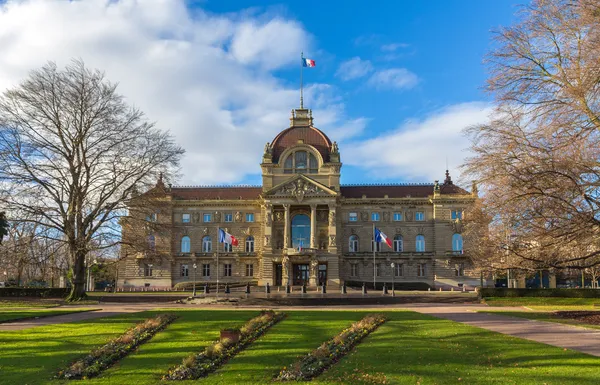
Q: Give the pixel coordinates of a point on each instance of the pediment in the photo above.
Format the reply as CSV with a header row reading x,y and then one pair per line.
x,y
300,187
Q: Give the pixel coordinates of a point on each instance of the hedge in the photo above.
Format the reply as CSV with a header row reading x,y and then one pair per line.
x,y
48,292
561,293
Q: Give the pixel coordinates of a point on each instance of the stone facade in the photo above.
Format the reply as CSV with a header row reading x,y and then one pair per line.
x,y
302,226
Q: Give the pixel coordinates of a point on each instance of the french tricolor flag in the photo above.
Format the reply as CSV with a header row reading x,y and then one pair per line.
x,y
381,237
225,237
308,62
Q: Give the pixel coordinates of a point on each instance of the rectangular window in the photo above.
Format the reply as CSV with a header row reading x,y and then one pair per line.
x,y
354,270
228,217
207,218
460,270
206,270
456,214
148,270
151,217
421,269
399,269
250,270
184,271
185,218
353,217
227,247
375,245
378,269
419,216
375,217
397,217
249,217
227,268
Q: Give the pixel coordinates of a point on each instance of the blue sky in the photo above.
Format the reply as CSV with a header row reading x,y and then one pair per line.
x,y
395,82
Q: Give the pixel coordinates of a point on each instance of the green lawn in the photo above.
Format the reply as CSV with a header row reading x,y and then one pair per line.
x,y
11,303
409,349
11,315
547,303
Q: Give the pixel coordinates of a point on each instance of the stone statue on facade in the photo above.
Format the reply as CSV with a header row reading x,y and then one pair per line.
x,y
238,216
285,261
334,148
331,218
217,216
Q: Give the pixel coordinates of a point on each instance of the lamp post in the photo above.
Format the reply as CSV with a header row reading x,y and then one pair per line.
x,y
194,291
393,275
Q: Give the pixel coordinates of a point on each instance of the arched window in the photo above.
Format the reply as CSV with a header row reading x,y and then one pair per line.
x,y
457,243
250,244
206,244
301,162
151,242
398,247
301,231
227,247
420,244
185,244
353,244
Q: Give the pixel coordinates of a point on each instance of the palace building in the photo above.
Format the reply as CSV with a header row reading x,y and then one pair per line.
x,y
303,227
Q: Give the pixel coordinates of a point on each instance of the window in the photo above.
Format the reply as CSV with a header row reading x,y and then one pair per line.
x,y
375,245
397,217
185,271
375,217
227,247
300,231
228,217
185,244
459,270
457,243
249,217
151,242
456,214
421,269
147,270
250,270
207,218
206,244
353,217
206,270
354,270
301,162
185,218
419,216
151,217
398,247
420,244
227,270
378,269
250,244
353,244
399,269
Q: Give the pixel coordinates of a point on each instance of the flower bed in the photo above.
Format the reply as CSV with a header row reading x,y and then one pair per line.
x,y
210,359
103,357
331,351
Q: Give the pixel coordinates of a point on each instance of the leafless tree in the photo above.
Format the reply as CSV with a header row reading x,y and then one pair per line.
x,y
72,151
537,160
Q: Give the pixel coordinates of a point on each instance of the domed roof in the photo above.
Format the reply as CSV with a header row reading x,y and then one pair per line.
x,y
301,131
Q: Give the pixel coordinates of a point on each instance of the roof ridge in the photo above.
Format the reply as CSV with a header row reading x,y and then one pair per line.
x,y
386,184
218,186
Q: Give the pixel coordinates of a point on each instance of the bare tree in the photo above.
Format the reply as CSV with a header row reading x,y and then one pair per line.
x,y
537,160
72,151
3,226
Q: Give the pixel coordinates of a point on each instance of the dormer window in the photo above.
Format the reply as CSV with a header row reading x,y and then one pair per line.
x,y
301,162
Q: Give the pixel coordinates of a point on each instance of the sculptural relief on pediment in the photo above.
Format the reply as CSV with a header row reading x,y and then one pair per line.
x,y
299,189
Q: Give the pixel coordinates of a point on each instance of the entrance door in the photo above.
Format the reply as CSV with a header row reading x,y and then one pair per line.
x,y
301,274
322,275
278,273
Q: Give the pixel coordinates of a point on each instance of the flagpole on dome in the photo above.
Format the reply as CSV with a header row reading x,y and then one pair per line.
x,y
374,265
301,84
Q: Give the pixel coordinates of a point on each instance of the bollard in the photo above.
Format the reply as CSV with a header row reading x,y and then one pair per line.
x,y
227,290
344,291
268,288
428,289
440,289
385,290
464,289
364,289
288,289
248,288
206,289
303,288
452,289
324,290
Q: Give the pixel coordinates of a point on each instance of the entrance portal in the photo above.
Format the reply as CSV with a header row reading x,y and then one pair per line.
x,y
301,274
278,270
322,275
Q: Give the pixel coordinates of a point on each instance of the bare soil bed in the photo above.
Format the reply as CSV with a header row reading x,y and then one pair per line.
x,y
588,317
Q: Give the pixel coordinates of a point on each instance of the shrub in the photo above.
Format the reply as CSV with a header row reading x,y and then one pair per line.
x,y
38,292
561,293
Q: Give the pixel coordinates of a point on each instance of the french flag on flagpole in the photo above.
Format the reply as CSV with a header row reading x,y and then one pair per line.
x,y
300,245
225,237
308,62
381,237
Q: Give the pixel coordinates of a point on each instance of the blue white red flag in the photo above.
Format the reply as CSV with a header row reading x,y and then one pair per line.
x,y
308,62
225,237
381,237
300,245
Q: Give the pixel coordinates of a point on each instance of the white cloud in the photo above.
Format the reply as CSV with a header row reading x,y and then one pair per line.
x,y
393,47
417,150
207,78
354,68
393,78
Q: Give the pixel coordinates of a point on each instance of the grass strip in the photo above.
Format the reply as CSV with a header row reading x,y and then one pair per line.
x,y
201,364
102,358
16,315
331,351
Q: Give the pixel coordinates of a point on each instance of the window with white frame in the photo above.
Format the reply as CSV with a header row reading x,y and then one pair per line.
x,y
227,270
397,217
375,216
459,269
185,244
301,162
353,217
185,272
375,245
421,269
457,214
249,217
206,244
398,244
399,269
228,217
206,269
354,270
151,217
249,270
186,218
250,244
353,244
457,243
207,217
420,244
227,247
147,270
419,216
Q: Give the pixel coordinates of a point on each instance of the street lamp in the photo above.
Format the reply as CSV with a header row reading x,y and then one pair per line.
x,y
393,274
194,291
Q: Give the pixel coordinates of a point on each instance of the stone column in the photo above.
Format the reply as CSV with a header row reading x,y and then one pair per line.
x,y
268,234
313,226
286,228
332,230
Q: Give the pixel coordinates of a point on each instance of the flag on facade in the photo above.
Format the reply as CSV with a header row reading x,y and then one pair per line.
x,y
308,62
300,245
381,237
225,237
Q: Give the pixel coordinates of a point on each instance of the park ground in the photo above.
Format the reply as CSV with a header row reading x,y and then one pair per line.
x,y
411,348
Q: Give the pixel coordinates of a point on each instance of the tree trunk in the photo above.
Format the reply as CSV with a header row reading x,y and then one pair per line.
x,y
78,281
